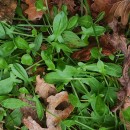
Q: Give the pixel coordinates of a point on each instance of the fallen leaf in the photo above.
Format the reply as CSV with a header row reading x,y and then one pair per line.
x,y
84,54
32,12
69,3
53,115
44,89
1,126
7,10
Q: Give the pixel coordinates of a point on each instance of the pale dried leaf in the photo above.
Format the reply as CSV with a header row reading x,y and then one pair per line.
x,y
44,89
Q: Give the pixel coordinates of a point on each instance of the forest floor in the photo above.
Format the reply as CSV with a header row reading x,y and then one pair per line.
x,y
64,65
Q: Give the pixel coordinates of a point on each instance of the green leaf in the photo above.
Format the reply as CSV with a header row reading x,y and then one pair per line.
x,y
59,24
14,119
69,123
7,48
2,113
74,100
20,72
101,67
100,106
40,5
39,108
21,43
96,52
3,63
100,16
99,30
72,40
26,59
13,103
37,42
61,76
48,59
60,46
2,31
85,21
113,69
23,90
126,114
72,22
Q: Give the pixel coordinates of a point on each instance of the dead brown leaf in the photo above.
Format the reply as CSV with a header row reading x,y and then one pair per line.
x,y
1,126
69,3
121,10
32,12
7,10
85,54
44,89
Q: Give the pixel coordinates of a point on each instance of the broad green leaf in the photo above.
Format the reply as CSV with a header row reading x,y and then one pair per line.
x,y
69,123
100,107
26,59
3,63
113,69
72,40
95,52
2,113
60,23
7,48
3,97
101,67
23,90
20,72
74,100
13,103
21,43
14,119
126,114
60,46
99,30
39,108
2,31
40,5
72,22
61,76
37,42
48,59
85,21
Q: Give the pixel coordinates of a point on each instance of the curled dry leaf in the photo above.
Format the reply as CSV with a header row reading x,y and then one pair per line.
x,y
58,107
7,10
53,115
120,9
32,12
44,89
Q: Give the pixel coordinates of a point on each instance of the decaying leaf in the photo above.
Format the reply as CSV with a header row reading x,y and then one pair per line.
x,y
120,43
1,126
121,10
44,89
7,10
32,12
61,100
113,9
84,54
58,107
69,3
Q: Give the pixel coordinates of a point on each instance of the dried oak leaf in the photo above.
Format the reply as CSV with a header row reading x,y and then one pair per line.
x,y
32,12
120,9
69,3
7,10
44,89
55,115
85,54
